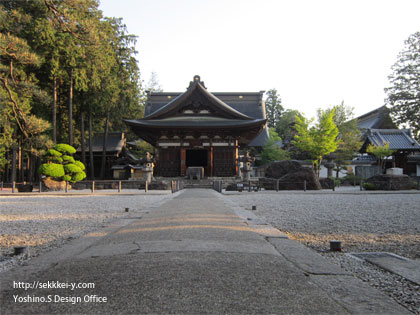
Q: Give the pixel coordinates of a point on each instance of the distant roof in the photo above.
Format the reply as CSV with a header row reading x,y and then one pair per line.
x,y
398,139
261,139
378,118
114,143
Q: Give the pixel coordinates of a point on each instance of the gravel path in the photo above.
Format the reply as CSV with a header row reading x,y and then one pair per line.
x,y
43,222
363,222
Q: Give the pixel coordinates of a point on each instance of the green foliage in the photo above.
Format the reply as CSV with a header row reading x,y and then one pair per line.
x,y
318,140
72,169
403,94
78,177
65,167
54,159
381,152
271,151
351,179
67,178
64,148
68,159
80,165
51,170
349,136
142,147
368,186
273,108
52,152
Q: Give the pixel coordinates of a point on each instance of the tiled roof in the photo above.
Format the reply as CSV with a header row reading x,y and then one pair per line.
x,y
398,139
114,143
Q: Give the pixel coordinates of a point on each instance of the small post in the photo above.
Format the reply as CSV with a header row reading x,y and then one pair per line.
x,y
146,186
1,188
67,186
277,184
333,189
361,185
40,186
304,185
249,186
119,186
13,187
93,186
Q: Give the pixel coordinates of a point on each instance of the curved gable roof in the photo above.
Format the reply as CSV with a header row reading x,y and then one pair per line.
x,y
197,88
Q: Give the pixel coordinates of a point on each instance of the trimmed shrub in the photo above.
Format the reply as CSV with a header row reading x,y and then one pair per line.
x,y
369,186
52,152
68,159
78,176
72,169
51,170
64,148
80,164
55,159
61,165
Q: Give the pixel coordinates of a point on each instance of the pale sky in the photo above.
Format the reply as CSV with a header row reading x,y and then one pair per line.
x,y
315,53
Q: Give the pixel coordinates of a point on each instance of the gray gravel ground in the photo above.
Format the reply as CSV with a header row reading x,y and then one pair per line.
x,y
46,221
363,222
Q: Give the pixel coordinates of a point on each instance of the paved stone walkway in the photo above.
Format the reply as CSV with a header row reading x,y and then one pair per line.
x,y
192,255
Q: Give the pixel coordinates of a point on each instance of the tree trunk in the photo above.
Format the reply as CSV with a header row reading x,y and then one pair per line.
x,y
91,168
82,136
103,164
13,176
31,167
54,112
71,109
20,162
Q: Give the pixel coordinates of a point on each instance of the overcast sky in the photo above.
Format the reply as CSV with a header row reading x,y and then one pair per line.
x,y
315,53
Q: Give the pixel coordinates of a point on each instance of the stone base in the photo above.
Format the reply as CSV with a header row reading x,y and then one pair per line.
x,y
54,185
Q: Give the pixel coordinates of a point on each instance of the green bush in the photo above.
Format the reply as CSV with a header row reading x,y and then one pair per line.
x,y
64,148
80,164
68,159
78,177
52,152
61,165
72,169
351,179
54,159
369,186
51,170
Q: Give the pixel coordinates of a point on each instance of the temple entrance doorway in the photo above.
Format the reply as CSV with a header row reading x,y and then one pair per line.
x,y
196,158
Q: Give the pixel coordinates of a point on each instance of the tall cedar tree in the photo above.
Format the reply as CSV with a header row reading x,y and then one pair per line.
x,y
404,92
273,108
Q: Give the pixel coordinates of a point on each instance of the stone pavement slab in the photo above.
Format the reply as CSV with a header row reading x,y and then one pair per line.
x,y
192,255
406,268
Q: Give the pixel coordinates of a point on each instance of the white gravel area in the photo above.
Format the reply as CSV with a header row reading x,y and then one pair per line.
x,y
364,222
46,221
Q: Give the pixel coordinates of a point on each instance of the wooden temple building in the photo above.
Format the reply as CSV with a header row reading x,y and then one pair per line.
x,y
201,129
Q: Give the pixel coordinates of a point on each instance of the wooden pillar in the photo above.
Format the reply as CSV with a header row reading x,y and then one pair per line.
x,y
210,161
183,158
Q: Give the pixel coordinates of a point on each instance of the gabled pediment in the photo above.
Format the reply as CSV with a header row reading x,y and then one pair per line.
x,y
197,101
